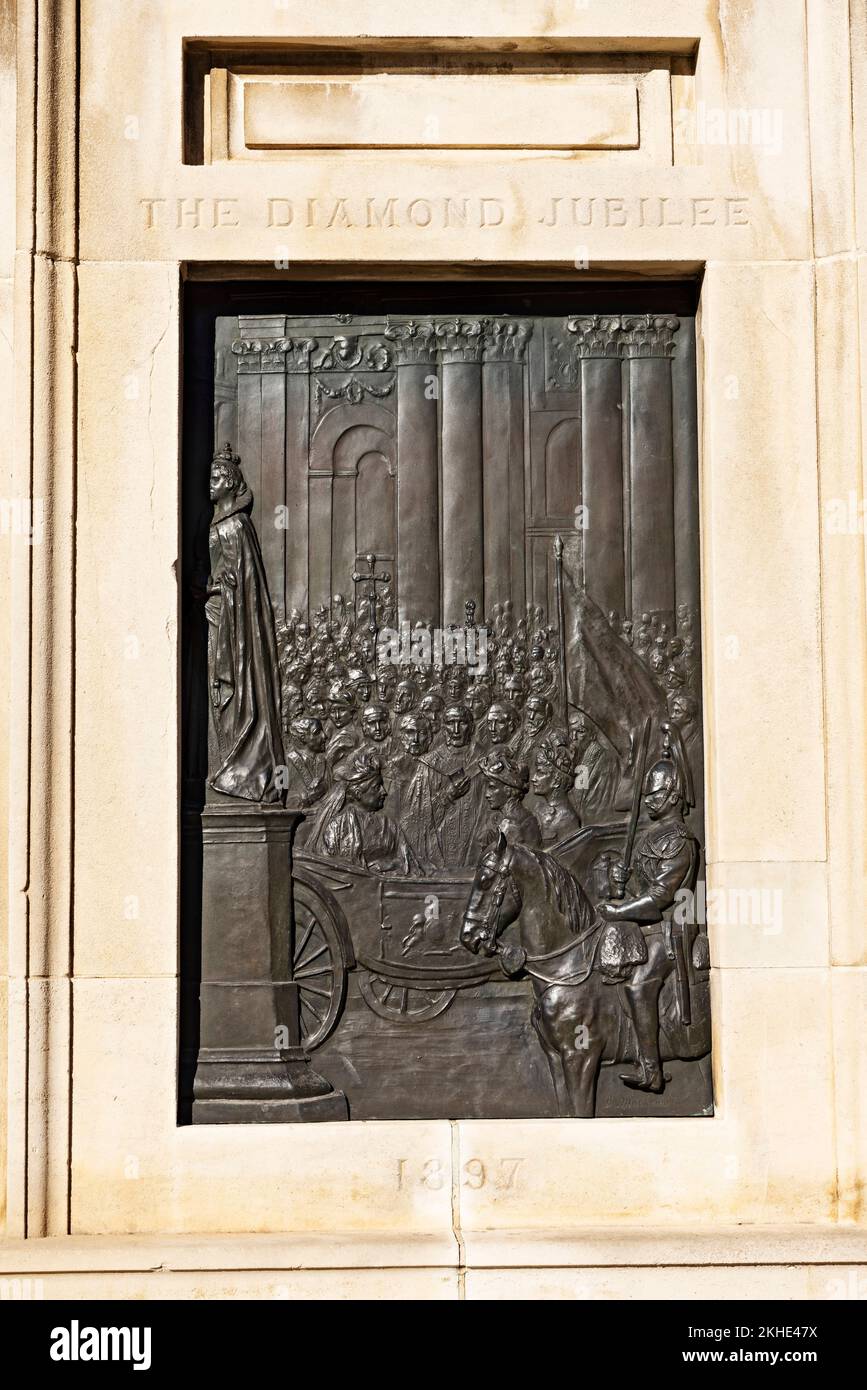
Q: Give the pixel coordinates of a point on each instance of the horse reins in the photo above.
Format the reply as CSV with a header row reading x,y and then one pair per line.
x,y
495,901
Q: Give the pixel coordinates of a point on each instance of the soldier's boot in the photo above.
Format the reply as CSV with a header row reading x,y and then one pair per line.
x,y
643,1009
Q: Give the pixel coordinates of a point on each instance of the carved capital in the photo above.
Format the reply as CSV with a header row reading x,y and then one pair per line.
x,y
298,354
649,335
412,342
595,335
608,336
257,355
506,339
461,340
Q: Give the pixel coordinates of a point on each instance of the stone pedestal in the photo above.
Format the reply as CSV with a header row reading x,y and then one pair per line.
x,y
251,1067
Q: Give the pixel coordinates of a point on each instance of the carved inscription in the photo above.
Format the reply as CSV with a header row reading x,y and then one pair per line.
x,y
502,1174
454,212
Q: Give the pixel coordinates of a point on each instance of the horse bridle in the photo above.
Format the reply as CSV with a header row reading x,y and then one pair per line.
x,y
487,918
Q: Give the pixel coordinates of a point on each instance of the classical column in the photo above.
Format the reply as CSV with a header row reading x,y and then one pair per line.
x,y
648,345
686,517
461,343
597,346
296,489
418,561
503,450
261,352
273,442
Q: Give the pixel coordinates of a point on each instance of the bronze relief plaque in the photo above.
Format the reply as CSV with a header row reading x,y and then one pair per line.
x,y
442,735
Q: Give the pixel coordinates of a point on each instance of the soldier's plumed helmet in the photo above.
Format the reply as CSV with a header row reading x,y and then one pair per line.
x,y
671,772
662,776
500,767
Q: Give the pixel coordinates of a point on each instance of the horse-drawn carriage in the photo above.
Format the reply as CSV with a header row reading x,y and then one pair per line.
x,y
402,934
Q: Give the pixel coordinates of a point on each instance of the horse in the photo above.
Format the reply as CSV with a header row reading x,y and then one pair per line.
x,y
580,1017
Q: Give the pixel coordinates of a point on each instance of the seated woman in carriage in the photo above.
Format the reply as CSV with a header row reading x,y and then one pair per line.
x,y
351,824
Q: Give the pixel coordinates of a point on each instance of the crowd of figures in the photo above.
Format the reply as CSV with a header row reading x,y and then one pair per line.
x,y
412,767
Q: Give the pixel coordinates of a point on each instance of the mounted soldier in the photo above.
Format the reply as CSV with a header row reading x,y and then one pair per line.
x,y
665,862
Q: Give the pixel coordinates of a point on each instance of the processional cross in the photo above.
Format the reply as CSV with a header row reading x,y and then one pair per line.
x,y
371,579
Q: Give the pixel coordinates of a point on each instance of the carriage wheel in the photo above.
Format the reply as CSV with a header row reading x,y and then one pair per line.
x,y
402,1003
318,967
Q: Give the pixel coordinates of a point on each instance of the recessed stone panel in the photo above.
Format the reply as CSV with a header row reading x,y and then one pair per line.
x,y
431,111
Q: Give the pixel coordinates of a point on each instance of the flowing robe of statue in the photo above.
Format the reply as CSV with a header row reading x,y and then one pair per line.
x,y
245,746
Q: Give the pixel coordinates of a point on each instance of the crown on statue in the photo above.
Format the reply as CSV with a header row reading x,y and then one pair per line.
x,y
228,456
